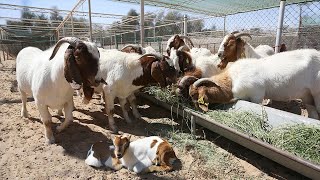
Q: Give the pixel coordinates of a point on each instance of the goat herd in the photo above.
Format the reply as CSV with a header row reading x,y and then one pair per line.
x,y
51,76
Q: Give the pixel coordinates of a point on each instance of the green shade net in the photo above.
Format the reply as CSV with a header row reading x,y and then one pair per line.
x,y
216,7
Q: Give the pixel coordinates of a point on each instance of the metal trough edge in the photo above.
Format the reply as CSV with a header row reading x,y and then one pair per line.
x,y
286,159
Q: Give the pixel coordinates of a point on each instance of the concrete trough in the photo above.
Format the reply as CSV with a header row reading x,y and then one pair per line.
x,y
275,118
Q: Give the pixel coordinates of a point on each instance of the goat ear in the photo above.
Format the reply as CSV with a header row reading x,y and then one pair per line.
x,y
156,74
176,41
71,71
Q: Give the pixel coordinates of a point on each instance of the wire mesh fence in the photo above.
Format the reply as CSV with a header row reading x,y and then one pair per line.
x,y
301,27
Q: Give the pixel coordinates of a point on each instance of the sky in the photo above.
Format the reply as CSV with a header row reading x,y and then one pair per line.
x,y
98,6
263,19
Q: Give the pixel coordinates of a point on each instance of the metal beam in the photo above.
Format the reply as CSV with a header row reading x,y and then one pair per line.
x,y
90,23
280,25
142,22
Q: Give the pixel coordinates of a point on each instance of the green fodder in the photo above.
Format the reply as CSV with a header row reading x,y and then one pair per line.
x,y
301,140
244,121
166,95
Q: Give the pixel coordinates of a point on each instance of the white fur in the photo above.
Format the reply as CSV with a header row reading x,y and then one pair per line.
x,y
45,81
282,77
91,160
149,50
139,154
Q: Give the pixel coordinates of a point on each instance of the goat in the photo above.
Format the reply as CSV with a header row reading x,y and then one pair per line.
x,y
125,73
283,48
233,47
193,68
149,154
176,41
282,77
51,83
130,48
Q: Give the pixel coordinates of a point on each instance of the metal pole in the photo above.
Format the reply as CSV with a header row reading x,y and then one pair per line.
x,y
154,33
280,25
72,32
142,22
185,27
135,37
224,26
90,23
193,125
63,32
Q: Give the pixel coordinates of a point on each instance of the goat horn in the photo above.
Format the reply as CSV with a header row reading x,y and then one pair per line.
x,y
202,81
71,40
234,32
238,35
129,45
187,38
185,78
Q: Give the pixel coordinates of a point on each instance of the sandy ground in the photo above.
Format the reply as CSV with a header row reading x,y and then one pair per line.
x,y
24,155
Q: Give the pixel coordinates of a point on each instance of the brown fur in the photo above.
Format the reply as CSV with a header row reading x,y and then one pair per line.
x,y
176,43
196,72
121,144
283,47
220,92
132,49
233,48
183,87
71,71
155,70
154,142
163,155
185,61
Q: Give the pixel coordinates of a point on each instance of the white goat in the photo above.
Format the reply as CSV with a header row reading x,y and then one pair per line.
x,y
51,83
233,48
144,155
282,77
125,73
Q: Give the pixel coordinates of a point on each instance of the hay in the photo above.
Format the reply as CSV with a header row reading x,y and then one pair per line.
x,y
300,140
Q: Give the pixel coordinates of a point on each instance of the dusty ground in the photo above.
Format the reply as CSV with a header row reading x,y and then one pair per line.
x,y
23,154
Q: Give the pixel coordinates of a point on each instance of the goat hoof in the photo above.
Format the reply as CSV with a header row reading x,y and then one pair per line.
x,y
50,140
24,114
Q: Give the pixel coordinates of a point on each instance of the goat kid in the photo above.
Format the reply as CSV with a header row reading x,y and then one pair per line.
x,y
281,77
150,154
52,83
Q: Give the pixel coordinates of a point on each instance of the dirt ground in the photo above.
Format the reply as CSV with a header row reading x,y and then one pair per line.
x,y
24,155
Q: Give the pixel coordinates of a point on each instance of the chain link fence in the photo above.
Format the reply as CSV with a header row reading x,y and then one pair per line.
x,y
301,28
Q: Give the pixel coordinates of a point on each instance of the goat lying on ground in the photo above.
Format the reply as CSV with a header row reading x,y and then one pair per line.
x,y
233,47
125,73
52,83
150,154
281,77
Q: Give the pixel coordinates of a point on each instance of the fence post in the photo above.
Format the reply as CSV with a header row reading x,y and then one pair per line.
x,y
72,25
115,41
224,26
135,37
280,25
90,22
142,22
185,27
154,33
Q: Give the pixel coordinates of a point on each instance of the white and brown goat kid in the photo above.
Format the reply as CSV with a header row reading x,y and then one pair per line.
x,y
125,73
51,76
149,154
176,42
282,77
233,47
